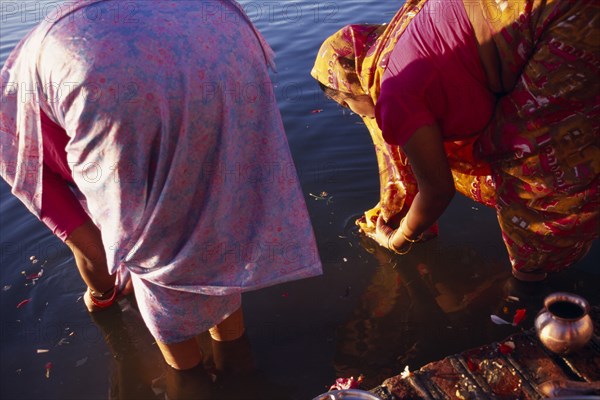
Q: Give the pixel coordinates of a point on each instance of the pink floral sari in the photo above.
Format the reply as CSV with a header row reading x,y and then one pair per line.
x,y
177,144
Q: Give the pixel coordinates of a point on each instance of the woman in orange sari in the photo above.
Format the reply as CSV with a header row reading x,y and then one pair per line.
x,y
497,100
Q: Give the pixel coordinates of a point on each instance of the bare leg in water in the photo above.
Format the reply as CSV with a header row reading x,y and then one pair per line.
x,y
187,355
187,378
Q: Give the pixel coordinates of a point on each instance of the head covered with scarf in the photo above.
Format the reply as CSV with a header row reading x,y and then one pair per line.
x,y
353,59
339,63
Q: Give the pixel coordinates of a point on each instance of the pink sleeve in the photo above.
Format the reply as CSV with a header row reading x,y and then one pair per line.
x,y
61,211
403,104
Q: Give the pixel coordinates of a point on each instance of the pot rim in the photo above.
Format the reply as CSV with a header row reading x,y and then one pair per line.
x,y
567,297
349,394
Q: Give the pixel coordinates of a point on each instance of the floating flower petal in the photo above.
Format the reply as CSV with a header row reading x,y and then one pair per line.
x,y
519,316
506,347
406,373
22,303
499,321
48,369
347,383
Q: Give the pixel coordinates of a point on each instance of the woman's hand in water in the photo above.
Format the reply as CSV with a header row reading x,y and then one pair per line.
x,y
89,303
93,307
382,232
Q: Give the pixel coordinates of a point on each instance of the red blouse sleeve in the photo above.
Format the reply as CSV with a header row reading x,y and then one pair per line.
x,y
404,102
61,211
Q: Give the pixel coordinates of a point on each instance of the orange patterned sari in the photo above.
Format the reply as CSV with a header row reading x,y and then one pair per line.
x,y
538,161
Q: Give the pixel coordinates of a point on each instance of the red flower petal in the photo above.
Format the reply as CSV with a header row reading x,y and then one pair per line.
x,y
34,276
48,369
22,303
505,348
519,316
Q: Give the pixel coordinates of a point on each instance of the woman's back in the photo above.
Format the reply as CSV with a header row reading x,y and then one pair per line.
x,y
177,144
434,75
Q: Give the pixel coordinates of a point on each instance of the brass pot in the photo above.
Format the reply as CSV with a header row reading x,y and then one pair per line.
x,y
564,324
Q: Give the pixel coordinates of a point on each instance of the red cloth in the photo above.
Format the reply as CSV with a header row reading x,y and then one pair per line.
x,y
434,75
61,211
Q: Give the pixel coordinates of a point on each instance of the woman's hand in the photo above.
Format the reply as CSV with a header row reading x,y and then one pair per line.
x,y
89,304
381,233
92,307
386,236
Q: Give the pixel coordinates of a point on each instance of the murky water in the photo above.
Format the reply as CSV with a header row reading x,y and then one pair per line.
x,y
370,313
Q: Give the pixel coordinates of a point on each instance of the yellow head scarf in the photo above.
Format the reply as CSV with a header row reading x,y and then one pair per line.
x,y
339,61
353,59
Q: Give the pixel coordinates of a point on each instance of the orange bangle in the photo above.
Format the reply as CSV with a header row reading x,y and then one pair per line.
x,y
393,248
406,237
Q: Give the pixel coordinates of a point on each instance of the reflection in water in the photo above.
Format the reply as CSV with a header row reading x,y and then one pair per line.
x,y
437,301
137,363
139,371
411,311
415,309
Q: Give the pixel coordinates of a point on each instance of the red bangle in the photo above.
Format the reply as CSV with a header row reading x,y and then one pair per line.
x,y
104,303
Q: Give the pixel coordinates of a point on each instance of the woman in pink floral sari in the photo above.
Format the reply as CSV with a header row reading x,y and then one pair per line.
x,y
151,143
